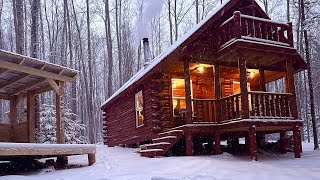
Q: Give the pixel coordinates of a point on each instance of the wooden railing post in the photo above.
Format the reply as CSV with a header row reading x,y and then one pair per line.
x,y
237,24
244,86
188,92
217,89
290,35
290,88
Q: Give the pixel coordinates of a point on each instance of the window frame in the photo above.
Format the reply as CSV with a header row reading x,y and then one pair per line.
x,y
181,98
136,109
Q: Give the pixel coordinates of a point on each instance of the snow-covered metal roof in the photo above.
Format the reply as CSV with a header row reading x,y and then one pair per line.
x,y
168,51
19,73
159,58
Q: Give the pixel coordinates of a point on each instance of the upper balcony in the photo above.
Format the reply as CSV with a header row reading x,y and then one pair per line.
x,y
253,29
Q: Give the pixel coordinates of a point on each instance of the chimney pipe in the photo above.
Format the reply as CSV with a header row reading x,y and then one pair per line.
x,y
146,49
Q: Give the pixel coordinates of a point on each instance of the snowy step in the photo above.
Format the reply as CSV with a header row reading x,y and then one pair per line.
x,y
169,132
160,145
151,150
152,153
154,144
164,138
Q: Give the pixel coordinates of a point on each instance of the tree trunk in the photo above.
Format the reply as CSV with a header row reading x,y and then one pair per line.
x,y
312,106
109,48
170,22
91,121
18,16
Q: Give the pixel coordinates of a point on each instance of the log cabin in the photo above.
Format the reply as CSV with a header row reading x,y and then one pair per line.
x,y
212,83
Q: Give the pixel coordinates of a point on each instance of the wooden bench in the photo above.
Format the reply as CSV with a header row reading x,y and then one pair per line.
x,y
10,151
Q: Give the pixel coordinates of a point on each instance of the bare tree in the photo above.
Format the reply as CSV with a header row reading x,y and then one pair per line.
x,y
19,25
312,106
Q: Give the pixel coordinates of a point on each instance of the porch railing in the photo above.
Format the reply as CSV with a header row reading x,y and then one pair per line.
x,y
230,108
270,105
252,28
262,105
204,110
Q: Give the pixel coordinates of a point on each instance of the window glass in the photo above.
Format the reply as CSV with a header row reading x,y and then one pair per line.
x,y
139,109
178,96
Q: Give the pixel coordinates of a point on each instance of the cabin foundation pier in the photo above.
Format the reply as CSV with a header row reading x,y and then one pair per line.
x,y
283,142
297,142
253,143
217,143
189,143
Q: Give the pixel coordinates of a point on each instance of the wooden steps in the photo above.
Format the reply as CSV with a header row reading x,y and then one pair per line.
x,y
162,144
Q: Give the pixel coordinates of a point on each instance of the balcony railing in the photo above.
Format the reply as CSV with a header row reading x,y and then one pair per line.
x,y
251,28
270,105
262,105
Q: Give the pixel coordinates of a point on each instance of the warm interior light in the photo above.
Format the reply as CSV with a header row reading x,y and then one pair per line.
x,y
200,69
251,75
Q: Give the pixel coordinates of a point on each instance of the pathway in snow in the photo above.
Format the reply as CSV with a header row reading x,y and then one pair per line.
x,y
125,163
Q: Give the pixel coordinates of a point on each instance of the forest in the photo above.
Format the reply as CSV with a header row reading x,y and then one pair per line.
x,y
98,38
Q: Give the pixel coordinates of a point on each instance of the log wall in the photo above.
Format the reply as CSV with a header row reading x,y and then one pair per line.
x,y
120,119
5,132
20,133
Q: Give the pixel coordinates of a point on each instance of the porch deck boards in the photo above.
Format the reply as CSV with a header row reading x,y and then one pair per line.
x,y
242,125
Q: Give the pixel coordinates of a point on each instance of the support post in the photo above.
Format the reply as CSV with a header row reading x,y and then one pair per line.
x,y
189,143
13,114
217,142
283,142
188,92
297,142
244,87
59,122
253,143
262,80
31,102
217,89
290,88
91,159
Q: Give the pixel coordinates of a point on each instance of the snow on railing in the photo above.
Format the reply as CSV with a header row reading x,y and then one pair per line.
x,y
257,29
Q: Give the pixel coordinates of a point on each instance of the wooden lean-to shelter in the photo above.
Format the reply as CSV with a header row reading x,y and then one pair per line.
x,y
212,84
25,77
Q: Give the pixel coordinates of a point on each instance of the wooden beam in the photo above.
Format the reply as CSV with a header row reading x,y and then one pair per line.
x,y
262,80
217,89
54,85
244,87
59,122
43,90
2,71
4,96
31,102
26,87
187,86
290,88
253,143
13,81
297,142
34,71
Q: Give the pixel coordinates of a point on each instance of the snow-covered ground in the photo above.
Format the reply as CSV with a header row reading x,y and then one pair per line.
x,y
125,163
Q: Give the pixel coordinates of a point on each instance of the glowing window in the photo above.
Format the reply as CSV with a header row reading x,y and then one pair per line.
x,y
178,96
139,109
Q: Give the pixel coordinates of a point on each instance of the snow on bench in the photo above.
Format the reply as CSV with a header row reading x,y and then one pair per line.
x,y
47,150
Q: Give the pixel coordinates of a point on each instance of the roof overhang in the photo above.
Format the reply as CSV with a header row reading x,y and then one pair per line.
x,y
19,74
